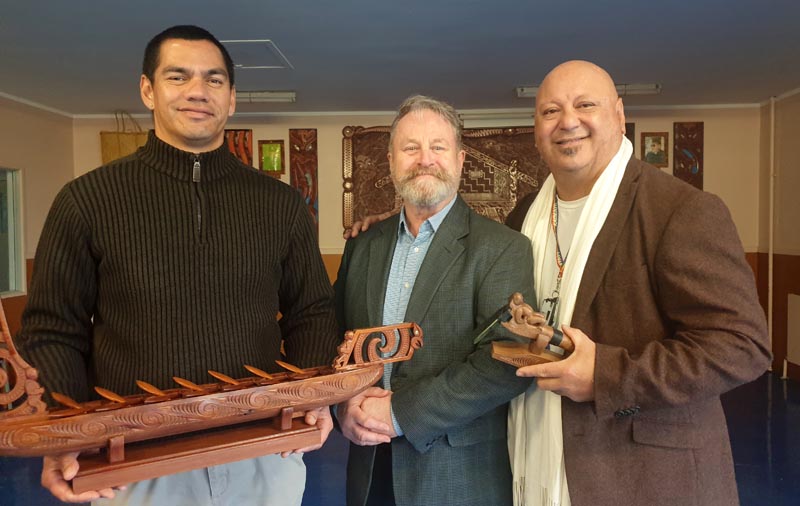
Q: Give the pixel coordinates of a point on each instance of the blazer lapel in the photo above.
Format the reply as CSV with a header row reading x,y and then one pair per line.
x,y
381,250
444,250
606,241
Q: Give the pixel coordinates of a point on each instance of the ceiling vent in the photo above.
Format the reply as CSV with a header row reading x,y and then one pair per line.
x,y
256,54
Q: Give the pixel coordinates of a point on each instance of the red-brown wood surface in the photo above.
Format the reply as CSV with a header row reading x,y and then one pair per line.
x,y
159,458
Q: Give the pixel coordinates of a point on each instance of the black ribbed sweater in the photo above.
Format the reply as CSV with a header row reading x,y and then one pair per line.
x,y
166,263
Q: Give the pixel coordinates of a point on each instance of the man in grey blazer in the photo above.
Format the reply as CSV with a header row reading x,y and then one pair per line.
x,y
435,433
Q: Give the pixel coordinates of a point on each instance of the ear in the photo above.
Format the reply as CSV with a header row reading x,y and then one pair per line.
x,y
620,111
146,92
462,155
232,106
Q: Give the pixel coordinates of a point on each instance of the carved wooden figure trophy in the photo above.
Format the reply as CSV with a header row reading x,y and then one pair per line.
x,y
231,413
546,343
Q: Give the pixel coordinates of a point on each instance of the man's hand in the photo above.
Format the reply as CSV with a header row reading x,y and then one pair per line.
x,y
321,417
363,418
364,224
572,377
58,470
380,408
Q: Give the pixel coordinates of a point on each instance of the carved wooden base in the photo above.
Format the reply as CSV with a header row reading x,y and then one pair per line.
x,y
144,461
519,354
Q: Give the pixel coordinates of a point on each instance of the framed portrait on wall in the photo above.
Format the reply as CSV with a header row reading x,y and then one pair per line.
x,y
655,148
271,158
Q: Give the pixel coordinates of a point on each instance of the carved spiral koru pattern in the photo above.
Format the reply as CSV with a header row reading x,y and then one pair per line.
x,y
239,402
348,382
299,392
378,344
25,438
143,420
261,400
208,409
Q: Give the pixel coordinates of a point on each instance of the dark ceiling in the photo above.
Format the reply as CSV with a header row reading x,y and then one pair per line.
x,y
84,57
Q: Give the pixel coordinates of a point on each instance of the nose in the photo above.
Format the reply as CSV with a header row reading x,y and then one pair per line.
x,y
569,119
426,157
196,89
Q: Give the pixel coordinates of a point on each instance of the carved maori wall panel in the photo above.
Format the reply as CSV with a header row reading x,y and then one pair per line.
x,y
303,167
502,165
688,152
240,143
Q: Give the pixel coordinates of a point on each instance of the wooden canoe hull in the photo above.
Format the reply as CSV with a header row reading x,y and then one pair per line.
x,y
58,432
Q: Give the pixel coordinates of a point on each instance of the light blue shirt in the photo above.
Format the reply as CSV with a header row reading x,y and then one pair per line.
x,y
409,252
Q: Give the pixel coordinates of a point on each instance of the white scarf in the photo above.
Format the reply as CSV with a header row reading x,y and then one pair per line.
x,y
535,439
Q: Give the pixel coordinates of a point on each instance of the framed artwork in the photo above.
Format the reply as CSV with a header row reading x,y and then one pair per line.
x,y
655,146
240,143
271,158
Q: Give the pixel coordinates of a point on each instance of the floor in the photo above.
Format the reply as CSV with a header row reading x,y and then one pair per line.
x,y
763,419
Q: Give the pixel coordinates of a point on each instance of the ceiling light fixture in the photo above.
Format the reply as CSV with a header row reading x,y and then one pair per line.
x,y
266,96
622,90
638,89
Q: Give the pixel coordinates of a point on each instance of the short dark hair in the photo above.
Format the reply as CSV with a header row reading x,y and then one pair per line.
x,y
423,103
183,32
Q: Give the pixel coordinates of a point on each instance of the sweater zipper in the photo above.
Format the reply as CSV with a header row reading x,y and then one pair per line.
x,y
197,201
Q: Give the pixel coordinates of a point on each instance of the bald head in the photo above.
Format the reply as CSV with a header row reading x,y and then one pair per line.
x,y
580,122
578,73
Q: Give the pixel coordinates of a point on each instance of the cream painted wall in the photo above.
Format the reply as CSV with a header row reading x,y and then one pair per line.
x,y
731,157
39,144
329,141
787,175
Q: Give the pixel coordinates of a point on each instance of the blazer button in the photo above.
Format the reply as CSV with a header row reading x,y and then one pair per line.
x,y
627,412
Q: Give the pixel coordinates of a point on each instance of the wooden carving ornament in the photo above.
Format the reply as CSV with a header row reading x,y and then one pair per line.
x,y
546,343
229,407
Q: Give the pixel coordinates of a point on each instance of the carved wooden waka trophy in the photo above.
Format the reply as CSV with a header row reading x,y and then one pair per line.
x,y
234,409
542,337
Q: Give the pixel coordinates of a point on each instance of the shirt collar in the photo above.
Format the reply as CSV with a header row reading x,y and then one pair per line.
x,y
434,221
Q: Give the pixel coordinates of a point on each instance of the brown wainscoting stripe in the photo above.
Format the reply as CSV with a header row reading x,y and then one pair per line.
x,y
332,261
793,371
786,280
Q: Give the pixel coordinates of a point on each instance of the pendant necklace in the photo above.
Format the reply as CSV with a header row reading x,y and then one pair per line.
x,y
550,304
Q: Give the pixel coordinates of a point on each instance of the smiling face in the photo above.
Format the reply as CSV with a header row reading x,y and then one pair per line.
x,y
425,160
580,122
191,96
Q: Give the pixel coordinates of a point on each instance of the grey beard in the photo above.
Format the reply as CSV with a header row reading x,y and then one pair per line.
x,y
421,194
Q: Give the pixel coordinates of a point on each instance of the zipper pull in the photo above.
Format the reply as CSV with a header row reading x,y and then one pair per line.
x,y
196,171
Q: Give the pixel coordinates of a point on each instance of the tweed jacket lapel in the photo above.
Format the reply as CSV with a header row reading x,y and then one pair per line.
x,y
605,244
444,250
381,250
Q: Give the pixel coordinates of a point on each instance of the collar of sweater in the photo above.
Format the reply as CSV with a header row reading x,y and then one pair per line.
x,y
179,164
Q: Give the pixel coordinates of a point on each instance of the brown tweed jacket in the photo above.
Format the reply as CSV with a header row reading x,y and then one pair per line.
x,y
671,303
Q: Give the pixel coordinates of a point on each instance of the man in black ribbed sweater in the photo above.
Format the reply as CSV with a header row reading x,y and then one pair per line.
x,y
175,260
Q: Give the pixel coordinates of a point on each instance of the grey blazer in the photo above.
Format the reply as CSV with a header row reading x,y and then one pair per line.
x,y
451,398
